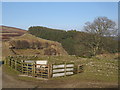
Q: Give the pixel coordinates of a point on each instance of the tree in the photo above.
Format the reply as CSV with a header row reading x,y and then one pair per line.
x,y
100,27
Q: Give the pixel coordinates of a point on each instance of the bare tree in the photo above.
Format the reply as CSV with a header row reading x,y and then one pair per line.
x,y
100,27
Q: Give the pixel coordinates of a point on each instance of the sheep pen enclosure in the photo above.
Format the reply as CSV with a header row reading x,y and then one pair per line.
x,y
34,67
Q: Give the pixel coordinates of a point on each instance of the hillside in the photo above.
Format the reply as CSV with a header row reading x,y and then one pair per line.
x,y
8,32
28,44
77,42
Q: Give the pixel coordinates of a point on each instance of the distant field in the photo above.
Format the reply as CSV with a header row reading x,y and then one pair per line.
x,y
8,32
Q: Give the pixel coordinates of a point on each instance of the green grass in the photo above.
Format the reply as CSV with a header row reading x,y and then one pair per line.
x,y
10,71
15,74
102,69
85,76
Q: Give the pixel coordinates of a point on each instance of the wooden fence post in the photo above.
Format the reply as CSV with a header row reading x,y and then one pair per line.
x,y
27,68
65,69
22,66
11,63
34,70
49,70
15,64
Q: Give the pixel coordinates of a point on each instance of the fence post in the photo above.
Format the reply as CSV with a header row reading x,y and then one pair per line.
x,y
27,68
22,66
34,70
49,70
5,61
78,69
11,63
15,64
65,69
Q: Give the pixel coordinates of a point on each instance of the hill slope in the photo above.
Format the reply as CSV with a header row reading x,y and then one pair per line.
x,y
77,42
28,44
8,32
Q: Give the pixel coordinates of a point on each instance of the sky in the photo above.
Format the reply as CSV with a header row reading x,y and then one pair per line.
x,y
57,15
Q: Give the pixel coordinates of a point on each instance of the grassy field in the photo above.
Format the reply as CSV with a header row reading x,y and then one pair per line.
x,y
100,71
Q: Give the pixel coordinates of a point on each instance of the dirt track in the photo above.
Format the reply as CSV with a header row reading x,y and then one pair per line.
x,y
11,82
